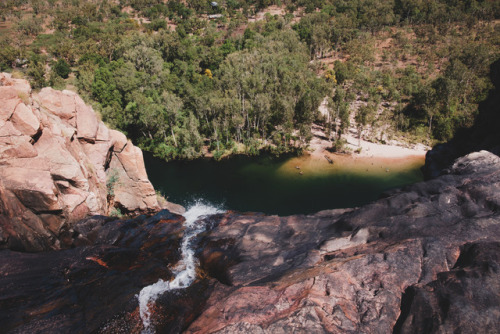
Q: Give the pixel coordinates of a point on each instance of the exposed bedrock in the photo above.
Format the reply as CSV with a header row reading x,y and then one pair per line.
x,y
58,164
423,259
430,249
77,290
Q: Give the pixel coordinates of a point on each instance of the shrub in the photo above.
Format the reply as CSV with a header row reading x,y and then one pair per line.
x,y
62,69
111,182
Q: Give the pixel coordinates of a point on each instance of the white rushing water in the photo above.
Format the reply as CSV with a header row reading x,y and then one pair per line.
x,y
184,271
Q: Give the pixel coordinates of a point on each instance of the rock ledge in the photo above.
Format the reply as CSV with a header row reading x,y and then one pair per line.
x,y
58,164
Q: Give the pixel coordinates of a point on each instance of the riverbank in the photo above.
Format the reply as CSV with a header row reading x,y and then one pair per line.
x,y
276,186
372,159
319,146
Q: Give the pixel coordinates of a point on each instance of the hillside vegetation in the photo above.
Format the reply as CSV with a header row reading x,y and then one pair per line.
x,y
182,83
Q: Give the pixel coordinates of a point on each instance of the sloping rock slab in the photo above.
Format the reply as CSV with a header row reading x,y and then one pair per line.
x,y
353,272
81,289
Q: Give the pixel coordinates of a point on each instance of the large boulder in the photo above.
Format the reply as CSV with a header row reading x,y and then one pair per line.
x,y
128,175
87,123
15,145
55,163
62,104
33,187
25,121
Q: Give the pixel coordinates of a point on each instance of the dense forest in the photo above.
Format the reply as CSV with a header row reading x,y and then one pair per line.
x,y
184,78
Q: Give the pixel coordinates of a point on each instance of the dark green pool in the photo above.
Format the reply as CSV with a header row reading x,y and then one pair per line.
x,y
273,186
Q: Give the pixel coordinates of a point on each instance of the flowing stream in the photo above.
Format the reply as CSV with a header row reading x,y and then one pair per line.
x,y
185,270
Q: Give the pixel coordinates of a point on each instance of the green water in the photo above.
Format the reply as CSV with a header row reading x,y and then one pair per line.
x,y
269,185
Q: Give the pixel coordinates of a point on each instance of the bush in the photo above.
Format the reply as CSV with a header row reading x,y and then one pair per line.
x,y
116,212
339,145
62,69
218,155
111,182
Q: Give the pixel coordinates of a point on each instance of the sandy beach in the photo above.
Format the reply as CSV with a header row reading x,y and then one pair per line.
x,y
373,158
319,145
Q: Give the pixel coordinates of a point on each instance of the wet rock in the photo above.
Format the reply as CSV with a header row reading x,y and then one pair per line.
x,y
85,289
464,299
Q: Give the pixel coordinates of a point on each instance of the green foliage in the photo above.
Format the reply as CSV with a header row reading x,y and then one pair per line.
x,y
315,29
36,72
116,212
30,26
112,179
8,55
62,69
211,83
339,145
218,155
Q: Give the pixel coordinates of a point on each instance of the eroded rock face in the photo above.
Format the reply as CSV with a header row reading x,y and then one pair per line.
x,y
423,259
56,162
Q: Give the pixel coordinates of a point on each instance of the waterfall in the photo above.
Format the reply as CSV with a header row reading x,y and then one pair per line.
x,y
185,270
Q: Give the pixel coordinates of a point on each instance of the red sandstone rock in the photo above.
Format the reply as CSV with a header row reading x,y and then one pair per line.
x,y
25,121
16,147
9,130
7,104
118,139
61,104
103,132
55,158
34,188
133,163
86,121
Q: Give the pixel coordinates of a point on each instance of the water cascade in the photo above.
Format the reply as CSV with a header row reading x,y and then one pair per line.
x,y
184,271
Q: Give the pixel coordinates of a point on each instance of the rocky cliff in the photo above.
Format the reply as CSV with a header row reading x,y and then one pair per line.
x,y
423,259
59,164
483,135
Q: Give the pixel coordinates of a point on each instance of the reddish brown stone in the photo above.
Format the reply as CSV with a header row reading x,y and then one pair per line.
x,y
86,121
59,139
25,121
